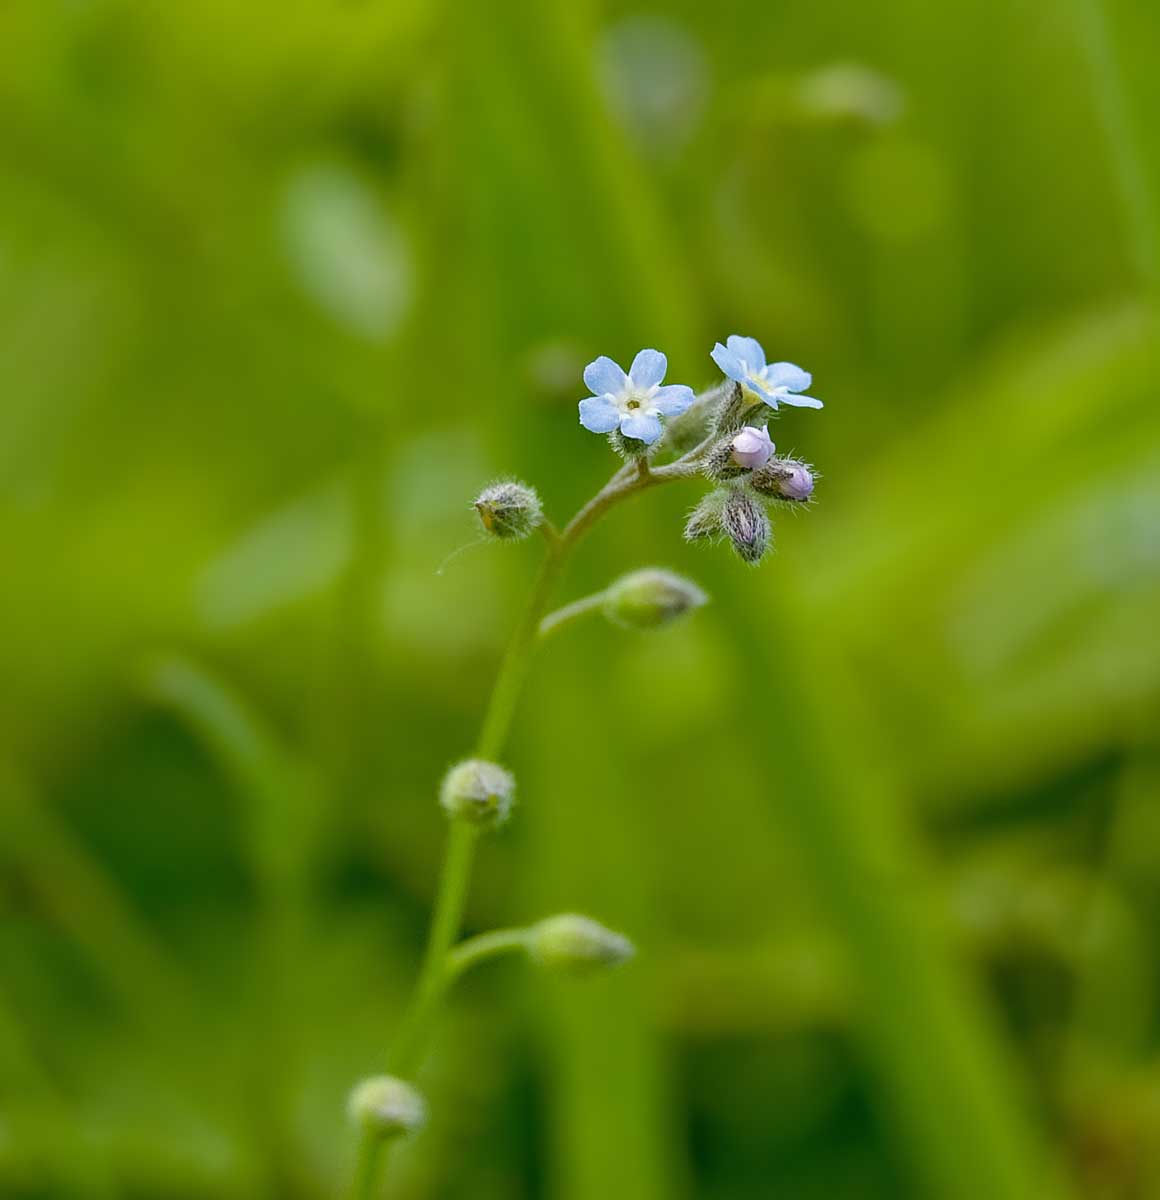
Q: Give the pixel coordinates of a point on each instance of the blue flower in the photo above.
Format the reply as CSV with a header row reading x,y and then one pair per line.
x,y
633,403
743,360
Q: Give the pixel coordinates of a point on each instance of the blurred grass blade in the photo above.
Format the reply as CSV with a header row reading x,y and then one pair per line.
x,y
75,890
956,1107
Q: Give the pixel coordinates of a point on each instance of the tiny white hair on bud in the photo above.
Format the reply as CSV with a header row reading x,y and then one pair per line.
x,y
482,540
703,523
747,525
478,791
509,510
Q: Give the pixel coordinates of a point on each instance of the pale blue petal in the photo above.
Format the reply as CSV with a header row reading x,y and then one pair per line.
x,y
648,367
788,375
792,398
671,401
729,363
599,414
762,393
603,375
641,426
747,349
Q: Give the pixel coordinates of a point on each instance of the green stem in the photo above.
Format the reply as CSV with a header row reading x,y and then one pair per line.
x,y
481,948
497,722
517,661
1115,116
564,616
370,1153
449,904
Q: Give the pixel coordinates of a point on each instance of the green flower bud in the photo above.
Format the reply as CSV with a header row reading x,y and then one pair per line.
x,y
509,510
629,448
387,1107
746,526
733,408
650,598
478,791
576,945
704,523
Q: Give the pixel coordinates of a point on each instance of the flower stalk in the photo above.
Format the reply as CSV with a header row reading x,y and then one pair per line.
x,y
632,408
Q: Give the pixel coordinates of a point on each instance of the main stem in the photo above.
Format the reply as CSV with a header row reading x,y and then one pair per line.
x,y
497,721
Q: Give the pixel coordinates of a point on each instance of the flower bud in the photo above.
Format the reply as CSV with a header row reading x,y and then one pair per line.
x,y
629,448
747,526
734,406
704,523
576,944
752,447
478,791
784,479
387,1107
719,463
509,510
650,598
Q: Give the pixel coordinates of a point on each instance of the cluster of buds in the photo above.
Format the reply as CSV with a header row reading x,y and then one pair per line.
x,y
751,477
640,413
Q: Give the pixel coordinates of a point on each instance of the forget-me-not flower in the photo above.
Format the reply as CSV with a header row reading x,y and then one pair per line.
x,y
742,359
633,403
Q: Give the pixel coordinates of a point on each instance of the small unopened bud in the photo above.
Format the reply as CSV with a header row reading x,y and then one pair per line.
x,y
478,791
577,944
752,447
630,448
509,510
734,406
747,526
704,523
387,1107
719,463
784,479
650,598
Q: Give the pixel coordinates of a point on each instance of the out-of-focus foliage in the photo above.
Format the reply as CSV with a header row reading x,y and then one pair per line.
x,y
281,286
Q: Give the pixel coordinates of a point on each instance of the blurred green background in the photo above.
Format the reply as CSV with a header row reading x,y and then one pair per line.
x,y
281,285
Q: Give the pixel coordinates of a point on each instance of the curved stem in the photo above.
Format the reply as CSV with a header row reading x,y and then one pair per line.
x,y
480,948
569,613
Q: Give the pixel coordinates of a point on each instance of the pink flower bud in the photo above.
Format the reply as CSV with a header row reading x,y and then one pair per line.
x,y
798,483
752,447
